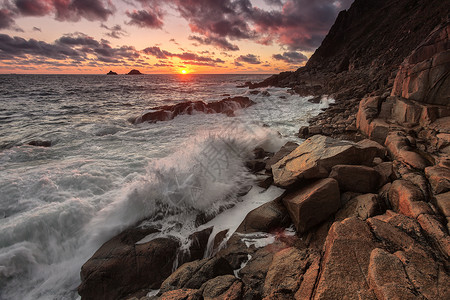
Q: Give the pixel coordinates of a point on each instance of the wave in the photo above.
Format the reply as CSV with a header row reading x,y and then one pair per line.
x,y
168,112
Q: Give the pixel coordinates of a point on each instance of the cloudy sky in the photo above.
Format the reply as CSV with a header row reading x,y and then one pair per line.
x,y
154,36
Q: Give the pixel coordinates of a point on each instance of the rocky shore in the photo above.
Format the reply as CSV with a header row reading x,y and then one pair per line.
x,y
366,210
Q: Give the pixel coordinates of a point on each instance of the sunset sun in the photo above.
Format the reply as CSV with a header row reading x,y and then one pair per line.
x,y
183,72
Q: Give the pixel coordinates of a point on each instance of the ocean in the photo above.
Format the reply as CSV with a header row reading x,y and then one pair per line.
x,y
102,173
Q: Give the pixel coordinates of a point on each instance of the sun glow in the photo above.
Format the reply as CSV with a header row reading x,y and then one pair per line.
x,y
183,72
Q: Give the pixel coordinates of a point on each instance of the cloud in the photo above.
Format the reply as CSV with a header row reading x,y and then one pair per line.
x,y
76,47
6,19
37,29
115,32
217,42
187,57
65,10
249,58
145,18
291,57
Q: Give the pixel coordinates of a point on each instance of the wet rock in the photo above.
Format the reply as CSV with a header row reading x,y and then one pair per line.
x,y
407,199
266,218
199,242
120,267
439,178
359,179
313,204
255,165
315,158
254,273
216,287
309,280
39,143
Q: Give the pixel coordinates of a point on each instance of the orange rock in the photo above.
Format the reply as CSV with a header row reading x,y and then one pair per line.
x,y
439,178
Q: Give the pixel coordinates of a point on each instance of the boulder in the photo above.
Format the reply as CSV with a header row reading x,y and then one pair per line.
x,y
217,287
266,218
407,199
309,280
399,148
369,144
285,150
182,294
443,203
254,273
199,242
386,170
313,204
344,266
315,157
120,267
359,179
194,274
425,74
437,232
439,178
363,207
368,110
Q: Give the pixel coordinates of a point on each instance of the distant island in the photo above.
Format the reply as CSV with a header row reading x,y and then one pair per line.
x,y
134,72
111,73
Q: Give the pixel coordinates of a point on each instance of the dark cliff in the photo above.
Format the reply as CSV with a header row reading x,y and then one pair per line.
x,y
364,48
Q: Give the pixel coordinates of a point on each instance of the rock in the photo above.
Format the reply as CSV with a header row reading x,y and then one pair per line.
x,y
285,150
368,110
363,207
344,266
437,232
264,181
439,178
309,280
111,73
443,203
387,277
283,276
303,132
120,267
315,157
407,199
134,72
399,149
38,143
169,112
313,204
424,75
199,242
194,274
266,218
182,294
386,170
369,144
359,179
214,288
254,273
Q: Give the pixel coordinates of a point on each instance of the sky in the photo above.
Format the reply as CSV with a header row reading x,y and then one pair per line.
x,y
160,37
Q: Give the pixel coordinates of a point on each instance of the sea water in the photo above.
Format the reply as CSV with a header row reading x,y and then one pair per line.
x,y
102,174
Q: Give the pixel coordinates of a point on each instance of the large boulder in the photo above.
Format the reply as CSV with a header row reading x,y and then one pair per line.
x,y
406,198
315,157
399,148
425,74
285,150
313,204
362,206
122,267
359,179
439,178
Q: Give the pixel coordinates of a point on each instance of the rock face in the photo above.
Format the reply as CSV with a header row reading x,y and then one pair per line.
x,y
424,76
112,73
359,179
134,72
313,204
168,112
315,157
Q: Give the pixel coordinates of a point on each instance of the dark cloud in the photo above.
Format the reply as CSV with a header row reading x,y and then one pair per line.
x,y
37,29
291,57
77,47
145,18
115,32
65,10
249,58
157,52
6,19
218,42
174,41
187,57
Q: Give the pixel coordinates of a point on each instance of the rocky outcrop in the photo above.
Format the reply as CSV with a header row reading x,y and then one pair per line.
x,y
315,157
168,112
424,75
111,73
134,72
359,179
